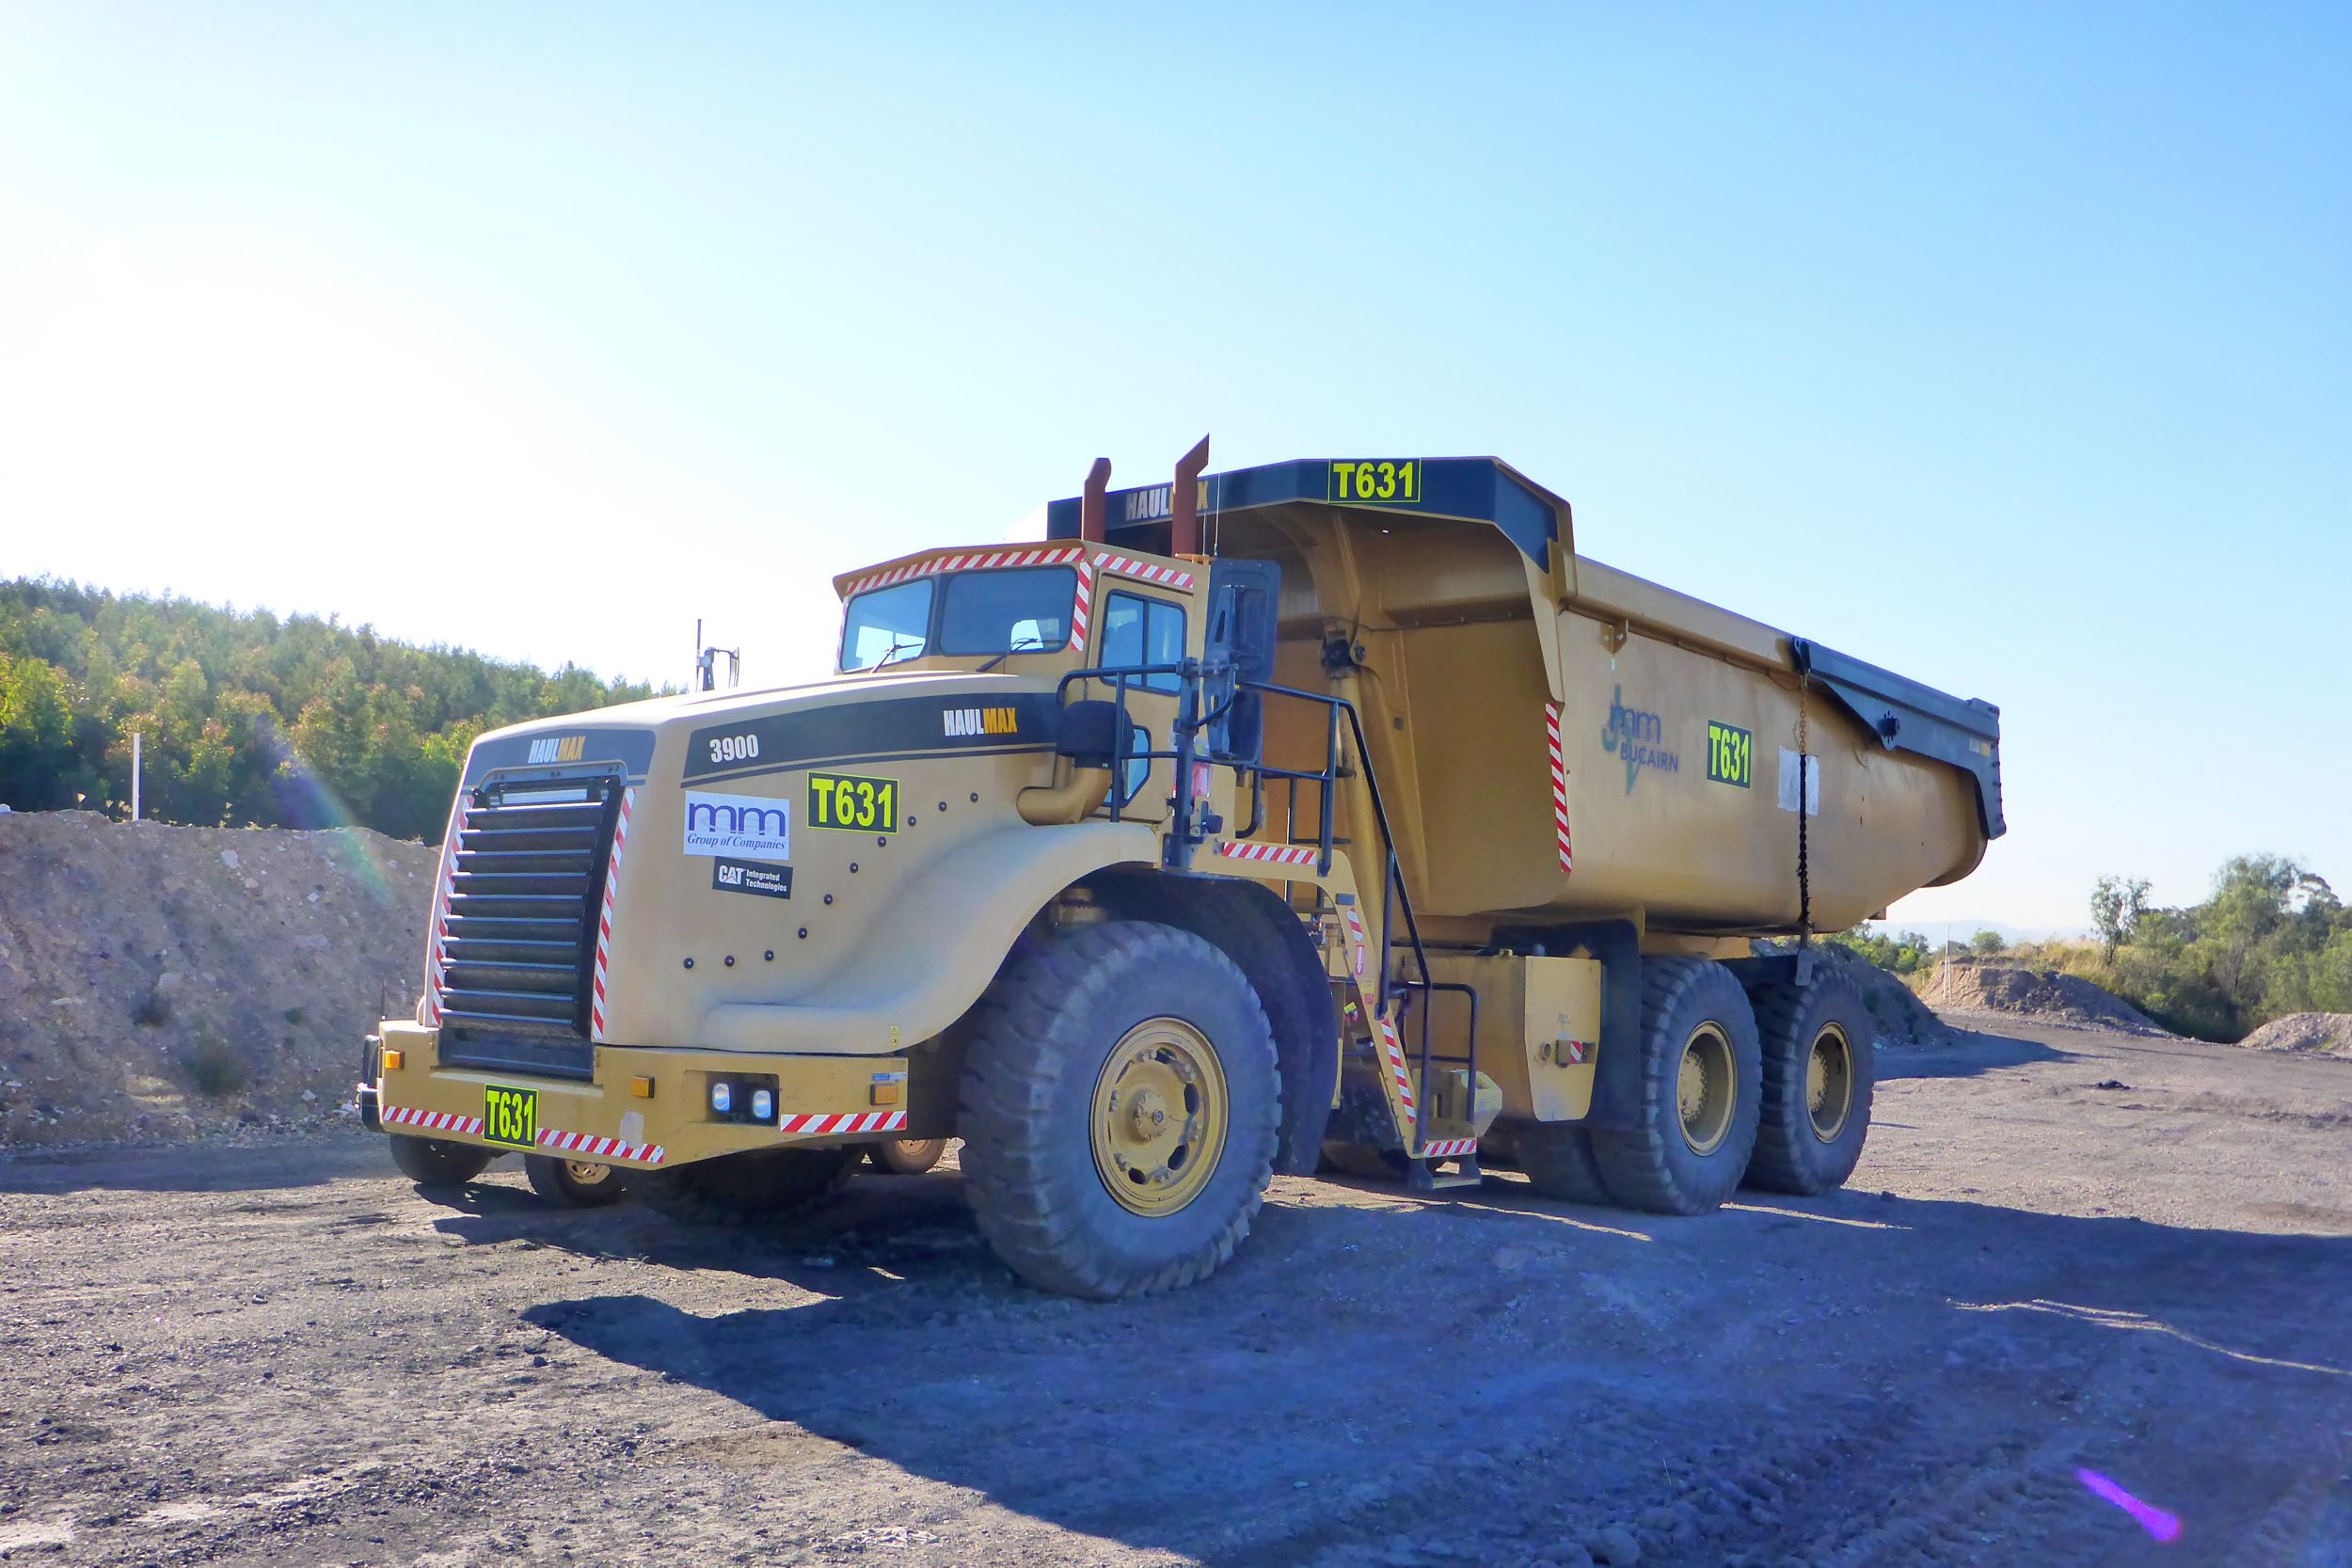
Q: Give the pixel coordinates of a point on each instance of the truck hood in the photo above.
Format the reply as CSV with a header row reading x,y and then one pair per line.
x,y
741,733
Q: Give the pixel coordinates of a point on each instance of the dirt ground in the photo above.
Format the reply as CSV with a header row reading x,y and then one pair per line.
x,y
2067,1253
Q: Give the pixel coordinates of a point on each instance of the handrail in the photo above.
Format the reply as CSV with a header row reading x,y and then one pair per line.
x,y
1193,676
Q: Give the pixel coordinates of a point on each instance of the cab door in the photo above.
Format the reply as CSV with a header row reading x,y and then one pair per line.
x,y
1140,627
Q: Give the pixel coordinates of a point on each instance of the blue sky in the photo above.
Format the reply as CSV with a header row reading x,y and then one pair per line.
x,y
2007,347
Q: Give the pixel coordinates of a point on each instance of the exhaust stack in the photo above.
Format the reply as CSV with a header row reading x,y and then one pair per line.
x,y
1094,505
1184,509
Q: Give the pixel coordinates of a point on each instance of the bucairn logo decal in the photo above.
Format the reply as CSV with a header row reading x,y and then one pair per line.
x,y
749,826
1633,736
558,748
958,722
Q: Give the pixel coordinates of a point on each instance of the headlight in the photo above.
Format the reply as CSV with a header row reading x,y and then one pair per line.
x,y
722,1098
763,1106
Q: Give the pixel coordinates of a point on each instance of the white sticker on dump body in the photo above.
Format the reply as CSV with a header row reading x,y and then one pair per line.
x,y
755,826
1789,782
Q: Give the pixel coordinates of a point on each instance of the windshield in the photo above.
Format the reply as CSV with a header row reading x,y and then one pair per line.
x,y
1019,611
886,625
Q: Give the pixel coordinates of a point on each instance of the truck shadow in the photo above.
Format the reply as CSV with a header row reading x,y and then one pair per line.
x,y
1361,1368
1975,1051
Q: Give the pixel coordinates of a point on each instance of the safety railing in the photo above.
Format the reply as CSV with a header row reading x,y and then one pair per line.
x,y
1215,685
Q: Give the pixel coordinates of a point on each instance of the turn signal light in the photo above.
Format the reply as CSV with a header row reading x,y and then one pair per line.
x,y
392,1058
640,1087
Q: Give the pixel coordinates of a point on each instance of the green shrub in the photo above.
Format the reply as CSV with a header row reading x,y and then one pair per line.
x,y
213,1068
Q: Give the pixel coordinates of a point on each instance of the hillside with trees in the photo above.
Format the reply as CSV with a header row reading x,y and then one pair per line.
x,y
2272,939
246,719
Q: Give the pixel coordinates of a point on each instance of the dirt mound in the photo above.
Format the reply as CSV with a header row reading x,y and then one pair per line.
x,y
2047,994
1898,1014
2328,1034
157,981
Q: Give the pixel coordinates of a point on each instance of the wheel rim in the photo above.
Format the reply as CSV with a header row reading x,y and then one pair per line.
x,y
1159,1118
584,1173
1706,1089
1829,1082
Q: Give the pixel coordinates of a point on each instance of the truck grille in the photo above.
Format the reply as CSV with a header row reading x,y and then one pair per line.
x,y
526,879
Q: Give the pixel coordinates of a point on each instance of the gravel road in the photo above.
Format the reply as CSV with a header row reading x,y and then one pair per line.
x,y
2068,1254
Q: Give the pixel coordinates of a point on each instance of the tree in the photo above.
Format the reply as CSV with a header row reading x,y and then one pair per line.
x,y
1987,944
2117,907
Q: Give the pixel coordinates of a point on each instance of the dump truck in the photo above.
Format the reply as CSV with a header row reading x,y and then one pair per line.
x,y
1327,813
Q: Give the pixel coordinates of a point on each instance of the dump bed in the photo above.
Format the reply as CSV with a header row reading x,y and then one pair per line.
x,y
1557,739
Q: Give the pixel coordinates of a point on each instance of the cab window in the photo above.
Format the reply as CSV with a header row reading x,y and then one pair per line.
x,y
1025,609
887,625
1136,630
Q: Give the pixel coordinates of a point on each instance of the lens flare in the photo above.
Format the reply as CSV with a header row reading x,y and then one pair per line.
x,y
2155,1521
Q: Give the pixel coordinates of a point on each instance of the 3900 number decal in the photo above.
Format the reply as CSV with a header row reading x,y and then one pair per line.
x,y
735,748
859,805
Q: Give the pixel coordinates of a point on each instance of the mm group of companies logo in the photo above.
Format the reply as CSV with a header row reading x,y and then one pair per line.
x,y
751,827
1634,735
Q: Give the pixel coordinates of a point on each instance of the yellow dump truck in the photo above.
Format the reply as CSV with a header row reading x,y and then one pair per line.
x,y
1328,812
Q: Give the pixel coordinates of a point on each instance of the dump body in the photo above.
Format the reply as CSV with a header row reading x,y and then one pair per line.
x,y
1468,631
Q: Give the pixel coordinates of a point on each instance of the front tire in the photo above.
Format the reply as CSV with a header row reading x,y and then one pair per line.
x,y
435,1165
1819,1069
1697,1113
573,1184
1119,1103
742,1189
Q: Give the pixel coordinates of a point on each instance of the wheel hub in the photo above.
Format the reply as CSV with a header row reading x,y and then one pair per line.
x,y
585,1173
1706,1089
1829,1082
1160,1117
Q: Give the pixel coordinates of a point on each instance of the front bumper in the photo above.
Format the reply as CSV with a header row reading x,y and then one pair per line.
x,y
820,1100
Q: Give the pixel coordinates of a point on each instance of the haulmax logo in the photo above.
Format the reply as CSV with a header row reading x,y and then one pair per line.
x,y
960,721
558,748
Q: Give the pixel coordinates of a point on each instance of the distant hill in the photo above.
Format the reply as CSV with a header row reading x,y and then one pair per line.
x,y
246,719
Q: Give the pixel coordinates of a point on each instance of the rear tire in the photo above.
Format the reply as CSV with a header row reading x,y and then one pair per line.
x,y
744,1189
906,1156
435,1165
1700,1093
1559,1160
573,1184
1819,1069
1126,1052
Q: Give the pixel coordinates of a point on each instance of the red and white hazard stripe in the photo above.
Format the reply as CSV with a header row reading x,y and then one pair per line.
x,y
1394,1051
1279,854
430,1121
1082,607
1355,943
604,917
1559,786
1448,1148
1166,577
600,1148
848,1121
970,561
436,939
